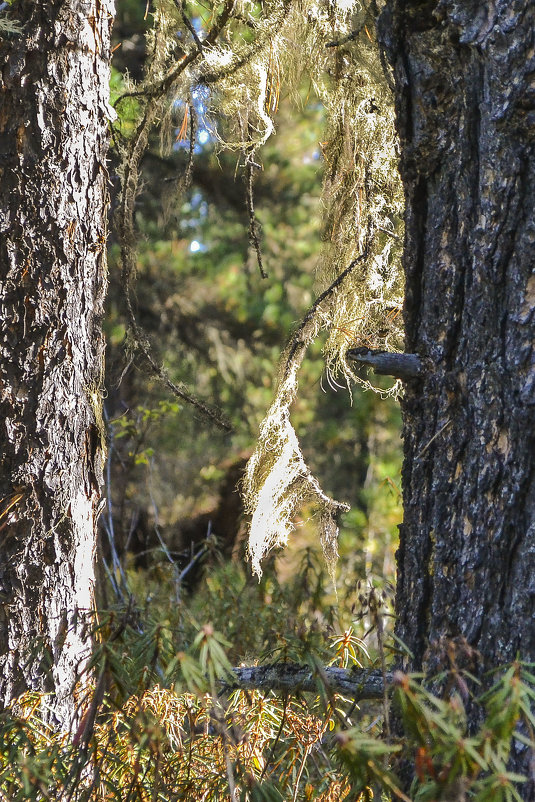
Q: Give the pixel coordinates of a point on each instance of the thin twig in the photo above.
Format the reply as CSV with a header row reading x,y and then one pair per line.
x,y
138,145
345,39
108,523
254,225
300,342
424,449
368,17
300,772
277,737
193,125
240,62
159,88
187,22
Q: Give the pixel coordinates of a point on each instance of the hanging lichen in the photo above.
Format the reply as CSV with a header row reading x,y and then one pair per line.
x,y
364,204
277,481
241,53
360,264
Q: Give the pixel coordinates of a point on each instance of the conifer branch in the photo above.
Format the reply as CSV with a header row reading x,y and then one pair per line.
x,y
254,225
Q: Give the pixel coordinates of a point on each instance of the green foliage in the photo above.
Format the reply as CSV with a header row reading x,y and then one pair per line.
x,y
129,108
137,427
447,759
159,719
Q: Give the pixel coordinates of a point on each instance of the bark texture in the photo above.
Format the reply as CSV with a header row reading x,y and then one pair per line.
x,y
53,196
464,79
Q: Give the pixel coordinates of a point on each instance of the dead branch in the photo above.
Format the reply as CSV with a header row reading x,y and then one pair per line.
x,y
293,678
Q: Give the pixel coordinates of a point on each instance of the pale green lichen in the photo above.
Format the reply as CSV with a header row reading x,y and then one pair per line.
x,y
363,204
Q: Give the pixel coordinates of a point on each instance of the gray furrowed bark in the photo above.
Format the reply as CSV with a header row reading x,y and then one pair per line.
x,y
53,196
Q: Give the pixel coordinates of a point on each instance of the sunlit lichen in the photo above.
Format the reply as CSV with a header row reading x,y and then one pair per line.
x,y
244,54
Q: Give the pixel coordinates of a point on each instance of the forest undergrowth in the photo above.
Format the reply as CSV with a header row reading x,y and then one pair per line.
x,y
161,717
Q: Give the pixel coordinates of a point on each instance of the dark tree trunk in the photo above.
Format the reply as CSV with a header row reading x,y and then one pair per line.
x,y
464,77
53,196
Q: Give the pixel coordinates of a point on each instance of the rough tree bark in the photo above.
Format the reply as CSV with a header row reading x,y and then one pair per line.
x,y
464,75
53,197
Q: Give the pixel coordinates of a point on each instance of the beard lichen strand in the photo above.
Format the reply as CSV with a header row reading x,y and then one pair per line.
x,y
363,193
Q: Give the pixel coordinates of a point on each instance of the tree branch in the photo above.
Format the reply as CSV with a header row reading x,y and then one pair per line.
x,y
294,678
385,363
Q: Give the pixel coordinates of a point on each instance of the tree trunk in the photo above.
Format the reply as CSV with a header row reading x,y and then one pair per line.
x,y
53,197
465,101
